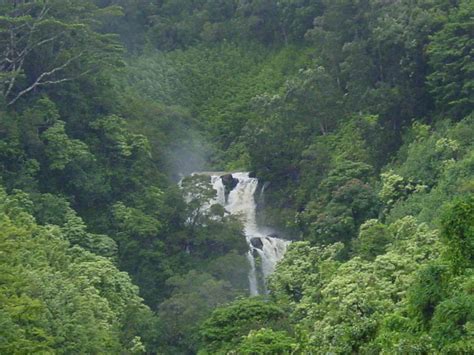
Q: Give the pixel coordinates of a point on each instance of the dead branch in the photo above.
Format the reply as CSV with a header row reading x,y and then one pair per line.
x,y
39,79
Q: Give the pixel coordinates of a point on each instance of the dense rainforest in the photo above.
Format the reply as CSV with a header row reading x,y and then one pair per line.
x,y
357,115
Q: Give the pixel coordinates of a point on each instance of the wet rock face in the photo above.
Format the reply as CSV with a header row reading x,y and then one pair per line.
x,y
229,183
256,243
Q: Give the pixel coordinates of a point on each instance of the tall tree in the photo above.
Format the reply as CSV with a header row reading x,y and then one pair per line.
x,y
51,42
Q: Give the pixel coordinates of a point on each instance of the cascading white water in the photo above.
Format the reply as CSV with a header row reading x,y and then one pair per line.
x,y
218,185
241,201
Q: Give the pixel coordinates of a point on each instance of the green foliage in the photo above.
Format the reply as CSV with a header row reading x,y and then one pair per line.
x,y
344,203
51,43
372,240
199,191
215,86
339,306
74,230
437,315
303,266
226,326
117,139
393,188
211,231
61,150
452,324
453,169
377,54
427,157
267,341
450,56
140,249
59,298
193,298
427,292
347,111
458,233
178,24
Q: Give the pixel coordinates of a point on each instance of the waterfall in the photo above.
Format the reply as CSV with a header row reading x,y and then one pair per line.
x,y
220,189
265,250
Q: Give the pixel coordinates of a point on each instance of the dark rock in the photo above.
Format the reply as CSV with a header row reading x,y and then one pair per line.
x,y
256,243
229,181
252,174
274,235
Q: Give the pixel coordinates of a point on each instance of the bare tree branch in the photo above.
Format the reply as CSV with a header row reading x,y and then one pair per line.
x,y
39,81
29,28
28,49
20,44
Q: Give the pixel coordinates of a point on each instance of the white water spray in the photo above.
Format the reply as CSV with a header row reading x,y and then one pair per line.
x,y
269,249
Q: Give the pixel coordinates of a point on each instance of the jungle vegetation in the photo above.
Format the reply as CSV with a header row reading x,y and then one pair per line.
x,y
358,113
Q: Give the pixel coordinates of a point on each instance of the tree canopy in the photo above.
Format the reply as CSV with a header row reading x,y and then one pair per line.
x,y
356,116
